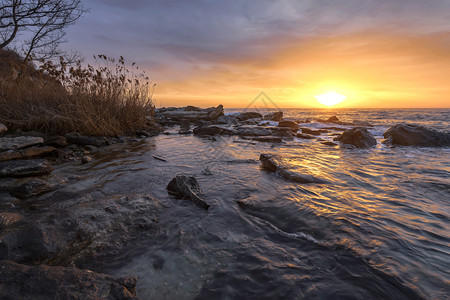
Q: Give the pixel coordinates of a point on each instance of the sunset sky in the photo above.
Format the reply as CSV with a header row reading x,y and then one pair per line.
x,y
378,53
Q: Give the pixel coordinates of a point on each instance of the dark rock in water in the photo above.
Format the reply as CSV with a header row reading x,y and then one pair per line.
x,y
416,135
275,163
164,115
286,134
313,132
213,130
361,123
56,141
290,124
46,282
185,126
333,119
334,128
248,115
23,168
77,139
25,153
305,136
268,139
329,143
275,116
226,120
187,188
253,131
30,188
358,136
79,231
142,133
19,142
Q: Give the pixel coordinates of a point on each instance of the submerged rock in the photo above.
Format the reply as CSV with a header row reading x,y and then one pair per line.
x,y
187,188
45,282
268,139
29,188
248,115
416,135
314,132
19,142
25,153
358,136
275,163
305,136
213,130
22,168
275,116
185,127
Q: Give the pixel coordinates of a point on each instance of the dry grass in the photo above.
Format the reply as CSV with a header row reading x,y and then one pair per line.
x,y
105,100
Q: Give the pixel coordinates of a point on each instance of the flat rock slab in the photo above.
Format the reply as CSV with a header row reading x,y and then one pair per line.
x,y
19,142
23,168
25,153
45,282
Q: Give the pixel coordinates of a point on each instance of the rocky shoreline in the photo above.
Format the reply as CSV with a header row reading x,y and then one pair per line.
x,y
52,247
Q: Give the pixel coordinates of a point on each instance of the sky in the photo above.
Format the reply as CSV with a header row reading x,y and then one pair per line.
x,y
378,53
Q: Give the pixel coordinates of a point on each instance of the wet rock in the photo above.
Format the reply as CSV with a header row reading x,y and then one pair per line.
x,y
286,134
334,128
268,139
328,143
248,115
305,136
275,116
187,188
416,135
185,126
3,129
80,231
19,142
29,188
333,119
290,124
56,141
46,282
275,163
253,131
361,123
226,120
360,137
77,139
85,159
22,168
8,219
188,113
144,133
213,130
25,153
313,132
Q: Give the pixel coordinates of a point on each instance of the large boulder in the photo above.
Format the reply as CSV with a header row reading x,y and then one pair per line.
x,y
45,282
19,142
248,115
359,137
275,116
276,164
22,168
186,187
416,135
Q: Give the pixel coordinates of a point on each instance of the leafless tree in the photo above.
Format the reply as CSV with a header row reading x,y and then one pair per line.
x,y
39,23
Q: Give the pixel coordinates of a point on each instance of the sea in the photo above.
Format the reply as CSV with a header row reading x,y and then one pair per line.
x,y
379,229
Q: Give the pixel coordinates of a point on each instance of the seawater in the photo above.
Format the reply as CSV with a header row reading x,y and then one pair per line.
x,y
378,230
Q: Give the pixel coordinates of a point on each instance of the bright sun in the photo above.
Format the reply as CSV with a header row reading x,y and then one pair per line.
x,y
330,98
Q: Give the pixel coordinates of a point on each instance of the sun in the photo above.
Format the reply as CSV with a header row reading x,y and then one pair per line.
x,y
330,98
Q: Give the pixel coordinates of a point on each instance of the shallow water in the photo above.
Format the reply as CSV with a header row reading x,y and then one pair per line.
x,y
378,230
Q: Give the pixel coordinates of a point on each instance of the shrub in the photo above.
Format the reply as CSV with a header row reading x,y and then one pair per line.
x,y
106,100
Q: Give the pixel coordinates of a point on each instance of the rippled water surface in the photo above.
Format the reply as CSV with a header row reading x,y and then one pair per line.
x,y
378,230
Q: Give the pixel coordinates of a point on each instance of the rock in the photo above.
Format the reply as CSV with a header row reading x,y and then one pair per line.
x,y
56,141
313,132
25,153
275,163
14,143
65,229
185,126
358,136
328,143
22,168
77,139
142,133
275,116
289,124
416,135
334,128
85,159
248,115
226,120
189,113
361,123
305,136
29,188
187,188
268,139
253,131
333,119
3,129
8,219
286,134
213,130
46,282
